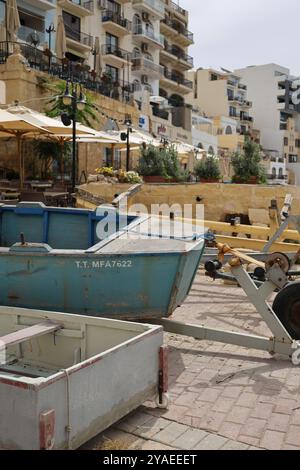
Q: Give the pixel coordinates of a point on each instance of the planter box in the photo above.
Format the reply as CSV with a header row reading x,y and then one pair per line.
x,y
252,180
158,179
210,180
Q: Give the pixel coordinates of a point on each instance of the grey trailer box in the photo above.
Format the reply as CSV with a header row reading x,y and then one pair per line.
x,y
65,378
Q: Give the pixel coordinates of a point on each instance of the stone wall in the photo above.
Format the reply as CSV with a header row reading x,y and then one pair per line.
x,y
219,199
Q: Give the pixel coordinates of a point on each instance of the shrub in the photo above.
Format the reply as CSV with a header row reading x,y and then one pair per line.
x,y
247,164
156,161
208,168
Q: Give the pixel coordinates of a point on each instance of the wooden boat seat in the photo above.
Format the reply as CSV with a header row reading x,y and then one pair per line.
x,y
26,334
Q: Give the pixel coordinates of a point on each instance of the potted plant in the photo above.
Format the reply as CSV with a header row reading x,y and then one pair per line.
x,y
159,165
247,165
208,170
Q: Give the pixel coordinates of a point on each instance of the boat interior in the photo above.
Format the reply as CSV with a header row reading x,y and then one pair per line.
x,y
34,346
60,228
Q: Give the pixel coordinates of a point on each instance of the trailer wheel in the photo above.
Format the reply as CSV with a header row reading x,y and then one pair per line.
x,y
287,308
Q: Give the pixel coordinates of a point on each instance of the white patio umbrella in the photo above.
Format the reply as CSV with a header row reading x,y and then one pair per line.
x,y
57,130
12,19
18,126
61,41
97,57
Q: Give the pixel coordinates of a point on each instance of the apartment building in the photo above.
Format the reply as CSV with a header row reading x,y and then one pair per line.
x,y
222,94
270,87
144,53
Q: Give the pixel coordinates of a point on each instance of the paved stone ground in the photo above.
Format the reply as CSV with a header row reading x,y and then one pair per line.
x,y
222,396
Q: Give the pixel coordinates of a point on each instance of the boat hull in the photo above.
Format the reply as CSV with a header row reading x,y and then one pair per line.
x,y
125,286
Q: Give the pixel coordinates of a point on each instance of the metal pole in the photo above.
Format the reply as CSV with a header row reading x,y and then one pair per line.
x,y
74,108
128,149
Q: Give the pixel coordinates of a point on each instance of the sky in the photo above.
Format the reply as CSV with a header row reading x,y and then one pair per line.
x,y
237,33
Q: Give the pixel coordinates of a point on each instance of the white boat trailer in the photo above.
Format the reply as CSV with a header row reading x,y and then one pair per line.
x,y
276,277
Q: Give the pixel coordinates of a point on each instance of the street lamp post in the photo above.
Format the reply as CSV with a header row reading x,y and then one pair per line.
x,y
49,31
126,136
76,101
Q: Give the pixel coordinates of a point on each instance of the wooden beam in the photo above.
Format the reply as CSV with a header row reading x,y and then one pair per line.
x,y
26,334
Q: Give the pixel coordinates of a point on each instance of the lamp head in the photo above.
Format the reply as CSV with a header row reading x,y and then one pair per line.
x,y
67,98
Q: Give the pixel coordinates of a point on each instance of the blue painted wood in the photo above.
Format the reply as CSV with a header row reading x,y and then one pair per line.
x,y
58,269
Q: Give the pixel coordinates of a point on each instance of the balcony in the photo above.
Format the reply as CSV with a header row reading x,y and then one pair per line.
x,y
160,113
115,24
42,4
246,118
147,35
176,83
242,87
145,66
175,9
177,32
178,58
103,5
115,56
77,7
78,39
26,34
155,8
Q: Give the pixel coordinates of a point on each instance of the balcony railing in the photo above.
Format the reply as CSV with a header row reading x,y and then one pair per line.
x,y
116,18
28,35
156,5
68,70
142,30
242,87
180,10
179,28
179,55
87,4
179,80
109,49
146,66
79,36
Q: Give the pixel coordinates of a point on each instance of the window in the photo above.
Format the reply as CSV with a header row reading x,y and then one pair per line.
x,y
72,26
274,173
228,130
107,156
112,42
297,143
113,72
286,141
136,53
293,159
113,6
211,150
117,159
213,77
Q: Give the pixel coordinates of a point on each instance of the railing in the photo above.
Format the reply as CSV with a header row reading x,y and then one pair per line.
x,y
179,80
28,35
149,33
180,10
88,5
179,54
116,18
179,29
242,87
78,36
156,5
109,49
68,70
146,65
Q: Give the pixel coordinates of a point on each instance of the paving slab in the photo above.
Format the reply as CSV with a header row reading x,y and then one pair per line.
x,y
239,398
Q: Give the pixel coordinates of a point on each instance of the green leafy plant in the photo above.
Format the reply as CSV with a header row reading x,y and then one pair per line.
x,y
208,169
57,107
51,152
247,164
156,161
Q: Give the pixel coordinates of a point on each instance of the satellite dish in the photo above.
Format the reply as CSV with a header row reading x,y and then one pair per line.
x,y
33,39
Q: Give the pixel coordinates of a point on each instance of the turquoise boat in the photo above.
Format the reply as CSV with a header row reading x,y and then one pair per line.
x,y
99,263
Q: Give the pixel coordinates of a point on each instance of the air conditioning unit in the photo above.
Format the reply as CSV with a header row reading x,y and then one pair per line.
x,y
145,16
144,79
145,47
